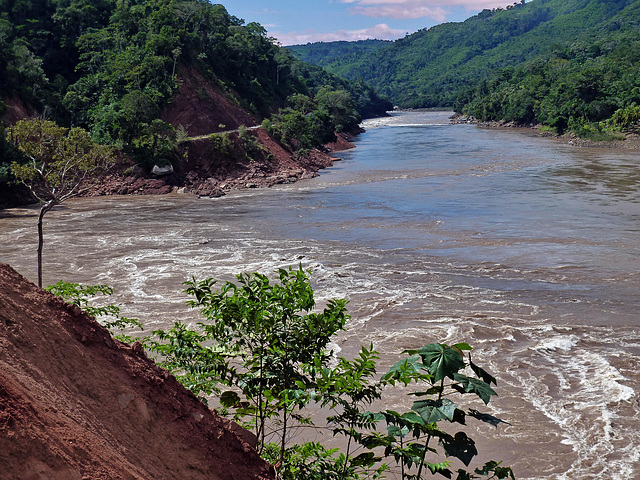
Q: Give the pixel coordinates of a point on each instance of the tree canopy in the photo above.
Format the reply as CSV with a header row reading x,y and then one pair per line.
x,y
587,86
60,163
264,350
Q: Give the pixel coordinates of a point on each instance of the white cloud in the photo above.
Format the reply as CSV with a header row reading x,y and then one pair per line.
x,y
381,32
404,9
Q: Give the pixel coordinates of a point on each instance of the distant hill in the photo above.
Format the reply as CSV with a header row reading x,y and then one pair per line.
x,y
333,54
429,67
589,86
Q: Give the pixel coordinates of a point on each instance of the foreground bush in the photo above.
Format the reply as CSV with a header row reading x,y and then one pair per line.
x,y
263,351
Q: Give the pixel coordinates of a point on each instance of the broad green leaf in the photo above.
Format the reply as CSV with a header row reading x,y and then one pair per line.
x,y
364,459
459,416
411,419
460,446
481,373
432,411
473,385
441,361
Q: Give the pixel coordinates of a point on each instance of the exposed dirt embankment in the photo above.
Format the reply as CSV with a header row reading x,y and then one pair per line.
x,y
75,404
212,165
202,108
16,110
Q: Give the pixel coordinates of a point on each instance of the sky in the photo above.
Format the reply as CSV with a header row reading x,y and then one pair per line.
x,y
301,21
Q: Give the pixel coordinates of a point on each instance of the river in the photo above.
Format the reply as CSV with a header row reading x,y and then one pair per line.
x,y
525,247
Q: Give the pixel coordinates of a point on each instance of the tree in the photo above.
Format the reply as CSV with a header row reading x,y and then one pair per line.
x,y
261,340
626,118
258,336
62,163
341,108
440,367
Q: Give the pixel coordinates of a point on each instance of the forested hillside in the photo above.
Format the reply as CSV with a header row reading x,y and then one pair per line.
x,y
332,54
589,86
430,67
115,67
57,54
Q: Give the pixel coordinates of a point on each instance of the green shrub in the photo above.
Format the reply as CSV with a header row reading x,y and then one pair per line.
x,y
221,143
264,350
108,315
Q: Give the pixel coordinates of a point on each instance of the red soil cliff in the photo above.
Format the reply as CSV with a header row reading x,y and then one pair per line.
x,y
76,404
203,108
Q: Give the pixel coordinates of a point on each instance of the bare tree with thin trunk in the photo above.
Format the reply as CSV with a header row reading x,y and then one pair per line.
x,y
62,163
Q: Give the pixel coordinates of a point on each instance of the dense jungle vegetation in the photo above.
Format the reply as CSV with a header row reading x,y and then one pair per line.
x,y
589,86
562,63
111,67
326,54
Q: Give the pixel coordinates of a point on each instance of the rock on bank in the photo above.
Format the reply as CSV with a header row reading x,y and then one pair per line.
x,y
76,404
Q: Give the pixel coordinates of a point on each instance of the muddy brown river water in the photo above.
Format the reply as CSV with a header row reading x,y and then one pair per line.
x,y
527,248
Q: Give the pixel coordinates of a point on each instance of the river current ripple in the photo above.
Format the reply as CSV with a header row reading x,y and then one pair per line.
x,y
524,247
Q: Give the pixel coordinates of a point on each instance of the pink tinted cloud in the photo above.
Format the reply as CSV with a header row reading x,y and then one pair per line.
x,y
380,31
401,12
406,9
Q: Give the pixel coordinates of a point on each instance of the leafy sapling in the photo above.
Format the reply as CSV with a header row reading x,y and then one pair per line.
x,y
256,339
440,368
62,163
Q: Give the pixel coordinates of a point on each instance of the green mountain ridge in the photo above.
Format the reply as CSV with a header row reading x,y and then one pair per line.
x,y
430,67
327,54
73,57
589,86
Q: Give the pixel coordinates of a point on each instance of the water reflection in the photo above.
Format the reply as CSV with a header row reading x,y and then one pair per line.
x,y
616,178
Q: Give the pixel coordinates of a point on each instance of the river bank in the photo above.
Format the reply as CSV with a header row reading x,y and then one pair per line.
x,y
208,171
631,141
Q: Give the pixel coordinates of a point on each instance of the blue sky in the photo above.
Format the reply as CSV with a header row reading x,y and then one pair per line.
x,y
301,21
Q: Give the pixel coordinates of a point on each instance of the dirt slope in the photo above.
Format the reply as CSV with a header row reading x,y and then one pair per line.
x,y
202,108
75,404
